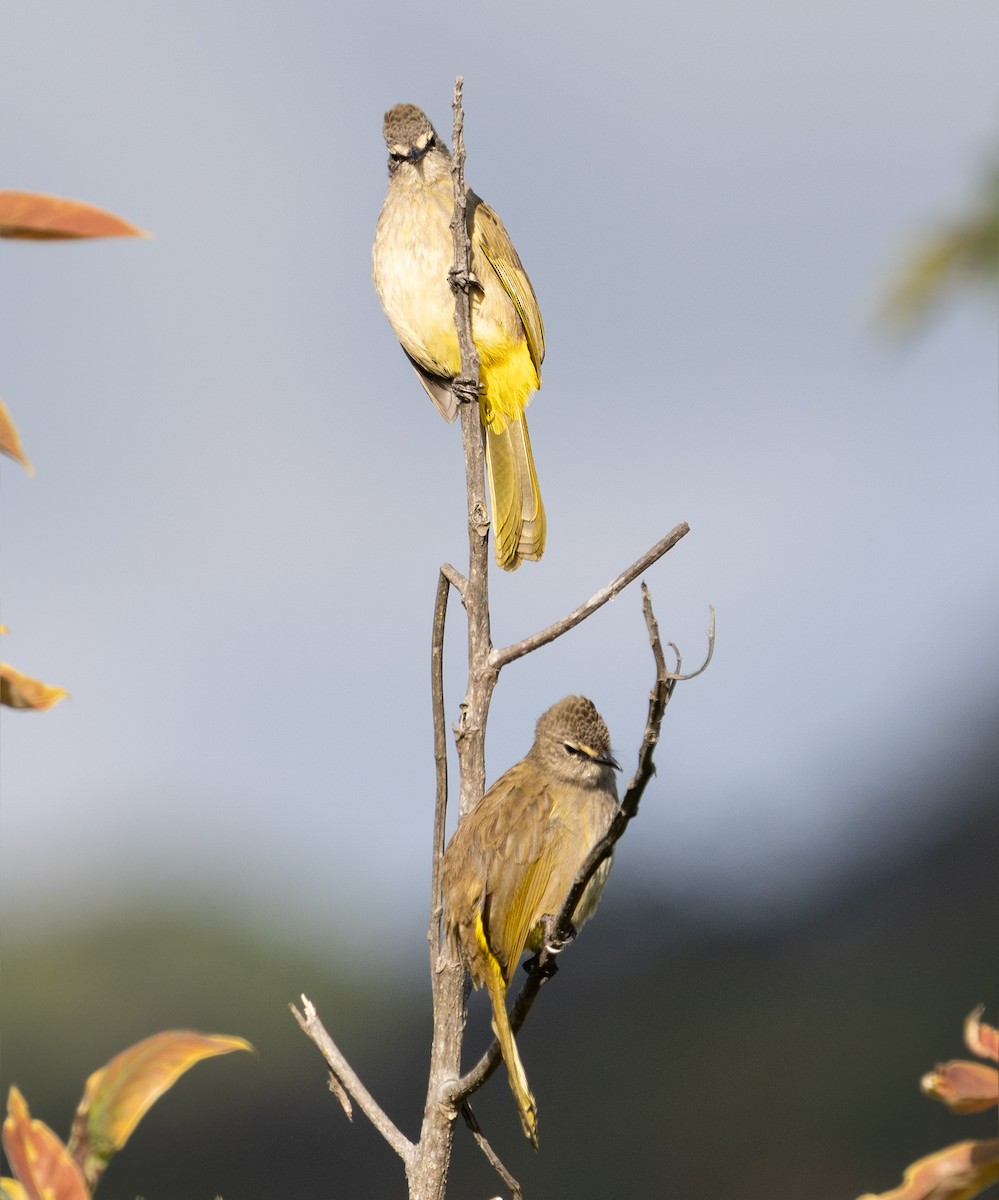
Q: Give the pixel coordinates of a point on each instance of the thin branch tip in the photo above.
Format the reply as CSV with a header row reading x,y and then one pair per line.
x,y
345,1083
491,1155
500,657
676,677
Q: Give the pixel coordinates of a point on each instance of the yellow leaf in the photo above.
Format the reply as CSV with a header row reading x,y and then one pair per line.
x,y
10,1189
38,1157
10,441
956,1173
119,1094
39,217
21,691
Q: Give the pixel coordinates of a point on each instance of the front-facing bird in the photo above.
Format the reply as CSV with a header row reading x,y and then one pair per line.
x,y
516,854
411,258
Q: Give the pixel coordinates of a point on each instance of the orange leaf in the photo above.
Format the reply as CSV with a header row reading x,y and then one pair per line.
x,y
21,691
39,217
119,1094
981,1039
38,1157
956,1173
10,441
965,1087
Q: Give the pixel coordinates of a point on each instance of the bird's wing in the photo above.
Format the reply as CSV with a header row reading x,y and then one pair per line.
x,y
520,873
491,237
437,388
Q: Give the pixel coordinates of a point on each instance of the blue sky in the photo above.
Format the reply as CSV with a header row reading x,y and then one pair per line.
x,y
229,553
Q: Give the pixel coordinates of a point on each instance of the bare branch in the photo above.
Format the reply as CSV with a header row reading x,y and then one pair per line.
x,y
507,654
659,697
346,1079
466,388
440,761
711,652
489,1152
475,593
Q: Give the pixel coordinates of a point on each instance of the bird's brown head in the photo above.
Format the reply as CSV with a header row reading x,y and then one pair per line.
x,y
574,742
408,133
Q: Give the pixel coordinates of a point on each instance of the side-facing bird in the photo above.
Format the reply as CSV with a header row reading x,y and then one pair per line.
x,y
411,258
515,855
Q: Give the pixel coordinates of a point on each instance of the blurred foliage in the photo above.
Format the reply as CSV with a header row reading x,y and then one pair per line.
x,y
36,217
115,1099
965,1169
72,999
669,1057
10,440
963,251
18,690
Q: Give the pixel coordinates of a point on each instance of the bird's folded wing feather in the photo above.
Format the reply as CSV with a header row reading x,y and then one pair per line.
x,y
492,239
521,879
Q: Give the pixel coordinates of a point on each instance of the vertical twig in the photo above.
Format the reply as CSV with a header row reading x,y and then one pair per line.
x,y
471,728
440,763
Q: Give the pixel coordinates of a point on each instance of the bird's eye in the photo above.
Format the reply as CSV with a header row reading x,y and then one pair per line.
x,y
574,750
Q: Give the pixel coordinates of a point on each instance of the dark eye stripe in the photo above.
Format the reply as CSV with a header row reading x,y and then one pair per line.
x,y
414,153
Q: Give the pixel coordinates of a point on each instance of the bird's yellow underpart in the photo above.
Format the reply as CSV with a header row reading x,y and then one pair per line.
x,y
509,378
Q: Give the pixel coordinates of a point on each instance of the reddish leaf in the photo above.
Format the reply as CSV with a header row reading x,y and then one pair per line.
x,y
10,441
965,1087
21,691
956,1173
39,217
37,1156
981,1039
118,1095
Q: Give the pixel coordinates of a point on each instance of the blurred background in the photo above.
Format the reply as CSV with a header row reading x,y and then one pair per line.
x,y
229,556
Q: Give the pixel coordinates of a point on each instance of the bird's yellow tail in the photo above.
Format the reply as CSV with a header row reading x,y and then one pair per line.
x,y
517,511
496,987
